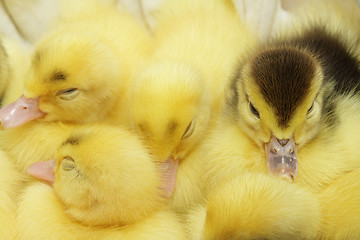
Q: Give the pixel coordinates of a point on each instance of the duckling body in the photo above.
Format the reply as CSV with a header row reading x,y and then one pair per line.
x,y
10,182
210,40
105,186
15,60
259,206
176,98
340,208
292,111
79,73
43,216
84,64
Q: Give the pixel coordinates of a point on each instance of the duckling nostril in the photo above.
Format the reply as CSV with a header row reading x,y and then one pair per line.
x,y
283,142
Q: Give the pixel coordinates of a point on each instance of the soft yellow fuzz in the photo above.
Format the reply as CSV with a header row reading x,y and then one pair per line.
x,y
41,216
328,153
106,186
168,107
177,97
33,142
340,203
15,61
94,51
211,40
104,174
10,183
257,206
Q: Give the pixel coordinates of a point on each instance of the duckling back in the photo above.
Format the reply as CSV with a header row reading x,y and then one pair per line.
x,y
10,185
257,206
211,40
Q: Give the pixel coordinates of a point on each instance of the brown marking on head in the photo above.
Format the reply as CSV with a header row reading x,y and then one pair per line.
x,y
284,76
171,127
72,141
58,76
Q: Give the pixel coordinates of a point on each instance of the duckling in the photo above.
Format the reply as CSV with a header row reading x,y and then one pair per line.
x,y
82,67
41,215
260,206
104,183
340,203
287,97
10,182
183,83
292,111
15,59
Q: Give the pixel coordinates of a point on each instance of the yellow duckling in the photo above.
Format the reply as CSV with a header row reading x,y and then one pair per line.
x,y
259,206
80,70
105,186
175,99
340,203
79,73
10,182
293,108
286,99
15,60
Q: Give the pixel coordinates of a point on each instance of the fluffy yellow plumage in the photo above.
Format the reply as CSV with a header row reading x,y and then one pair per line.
x,y
106,185
79,73
42,216
292,110
258,206
83,66
33,142
169,108
176,98
340,203
10,182
15,60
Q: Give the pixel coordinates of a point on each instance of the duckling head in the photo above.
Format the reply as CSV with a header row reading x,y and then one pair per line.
x,y
105,176
73,77
277,99
169,107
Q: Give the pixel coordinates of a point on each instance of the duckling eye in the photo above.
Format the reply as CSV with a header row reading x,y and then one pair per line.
x,y
68,163
68,94
253,110
310,109
189,130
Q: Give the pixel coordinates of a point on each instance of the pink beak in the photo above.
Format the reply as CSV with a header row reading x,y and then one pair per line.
x,y
168,170
43,171
20,112
282,157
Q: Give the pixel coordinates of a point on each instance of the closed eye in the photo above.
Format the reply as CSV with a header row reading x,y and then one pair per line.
x,y
254,111
189,130
68,94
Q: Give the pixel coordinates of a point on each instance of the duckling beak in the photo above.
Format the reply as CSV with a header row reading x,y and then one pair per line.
x,y
282,157
168,171
20,112
43,171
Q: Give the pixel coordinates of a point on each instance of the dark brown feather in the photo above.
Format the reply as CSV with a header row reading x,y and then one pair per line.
x,y
284,76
